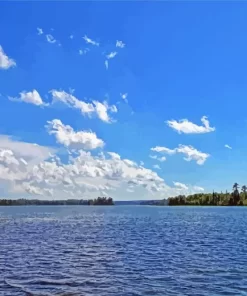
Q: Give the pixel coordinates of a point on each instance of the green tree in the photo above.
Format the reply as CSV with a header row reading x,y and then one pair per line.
x,y
244,190
235,194
235,187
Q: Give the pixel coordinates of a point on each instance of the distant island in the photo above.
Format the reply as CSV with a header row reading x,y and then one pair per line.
x,y
100,201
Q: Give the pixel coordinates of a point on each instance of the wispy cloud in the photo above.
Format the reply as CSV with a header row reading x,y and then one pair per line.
x,y
163,150
227,146
97,108
50,38
71,36
198,188
190,153
111,55
83,51
106,64
90,41
156,166
124,97
161,159
40,31
187,127
5,61
120,44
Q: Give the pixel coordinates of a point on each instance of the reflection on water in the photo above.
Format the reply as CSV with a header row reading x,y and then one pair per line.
x,y
123,251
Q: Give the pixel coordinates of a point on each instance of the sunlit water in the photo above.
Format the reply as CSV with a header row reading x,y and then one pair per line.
x,y
122,250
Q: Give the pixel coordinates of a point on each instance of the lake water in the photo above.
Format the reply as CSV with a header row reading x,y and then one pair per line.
x,y
123,250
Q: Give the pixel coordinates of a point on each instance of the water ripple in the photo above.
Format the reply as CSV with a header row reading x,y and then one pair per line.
x,y
72,251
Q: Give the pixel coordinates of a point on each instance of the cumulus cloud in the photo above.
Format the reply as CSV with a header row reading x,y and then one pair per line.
x,y
95,108
50,38
33,153
83,176
11,167
180,185
187,127
5,61
120,44
31,97
114,155
190,153
40,31
227,146
90,41
66,136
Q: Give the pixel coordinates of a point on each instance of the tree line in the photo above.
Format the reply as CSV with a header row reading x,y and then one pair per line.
x,y
238,197
101,201
71,202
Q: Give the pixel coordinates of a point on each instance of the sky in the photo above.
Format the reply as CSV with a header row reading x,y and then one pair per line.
x,y
121,99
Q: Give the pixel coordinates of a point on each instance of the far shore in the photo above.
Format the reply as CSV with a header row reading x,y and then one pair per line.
x,y
235,198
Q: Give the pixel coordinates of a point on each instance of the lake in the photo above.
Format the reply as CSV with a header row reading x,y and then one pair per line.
x,y
123,250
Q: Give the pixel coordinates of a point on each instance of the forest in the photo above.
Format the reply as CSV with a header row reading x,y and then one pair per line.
x,y
31,202
238,197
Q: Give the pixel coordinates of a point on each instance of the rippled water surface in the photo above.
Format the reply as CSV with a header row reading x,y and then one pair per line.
x,y
123,250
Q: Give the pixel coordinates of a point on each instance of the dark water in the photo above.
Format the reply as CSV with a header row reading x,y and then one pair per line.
x,y
123,251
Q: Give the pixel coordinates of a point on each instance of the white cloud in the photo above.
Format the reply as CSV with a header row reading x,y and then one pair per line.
x,y
111,55
190,152
50,38
180,185
31,97
66,136
97,108
164,150
120,44
188,127
40,31
114,155
90,41
71,36
83,176
5,61
83,51
33,153
33,190
193,154
161,159
106,64
101,110
113,108
198,188
227,146
156,166
124,97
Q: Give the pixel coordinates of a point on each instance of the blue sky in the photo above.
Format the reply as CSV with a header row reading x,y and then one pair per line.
x,y
178,62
